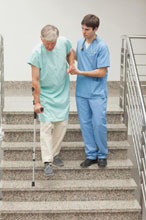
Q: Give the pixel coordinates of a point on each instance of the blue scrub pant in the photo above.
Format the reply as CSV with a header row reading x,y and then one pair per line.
x,y
92,116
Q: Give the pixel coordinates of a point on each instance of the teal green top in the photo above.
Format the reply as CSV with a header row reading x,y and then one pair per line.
x,y
54,80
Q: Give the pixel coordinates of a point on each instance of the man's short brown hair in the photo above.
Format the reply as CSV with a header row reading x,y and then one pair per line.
x,y
91,21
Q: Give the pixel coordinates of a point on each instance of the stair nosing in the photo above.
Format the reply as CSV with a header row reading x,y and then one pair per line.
x,y
28,128
69,185
68,165
120,111
65,145
111,206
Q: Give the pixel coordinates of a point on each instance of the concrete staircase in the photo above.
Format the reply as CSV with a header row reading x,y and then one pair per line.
x,y
72,193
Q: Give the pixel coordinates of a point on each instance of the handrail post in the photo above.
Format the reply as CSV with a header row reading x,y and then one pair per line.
x,y
125,119
141,166
123,80
1,77
122,73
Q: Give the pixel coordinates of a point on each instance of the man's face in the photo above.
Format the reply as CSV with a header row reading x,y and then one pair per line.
x,y
49,45
88,32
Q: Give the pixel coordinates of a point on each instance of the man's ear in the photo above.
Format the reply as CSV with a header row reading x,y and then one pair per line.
x,y
95,29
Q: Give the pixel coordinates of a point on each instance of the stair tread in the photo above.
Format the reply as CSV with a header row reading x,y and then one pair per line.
x,y
70,206
60,185
65,145
29,127
118,110
112,164
23,103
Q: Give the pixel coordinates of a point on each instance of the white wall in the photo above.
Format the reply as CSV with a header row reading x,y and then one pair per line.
x,y
22,20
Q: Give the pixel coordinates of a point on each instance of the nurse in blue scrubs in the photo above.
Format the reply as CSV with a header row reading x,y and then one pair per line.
x,y
91,91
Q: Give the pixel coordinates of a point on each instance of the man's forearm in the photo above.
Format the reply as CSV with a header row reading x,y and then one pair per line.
x,y
70,58
93,73
38,108
36,92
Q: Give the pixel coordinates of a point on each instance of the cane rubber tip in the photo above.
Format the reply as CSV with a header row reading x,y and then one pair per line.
x,y
33,183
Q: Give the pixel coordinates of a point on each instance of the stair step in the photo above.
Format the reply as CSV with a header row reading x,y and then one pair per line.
x,y
22,170
24,132
68,190
20,117
73,210
69,151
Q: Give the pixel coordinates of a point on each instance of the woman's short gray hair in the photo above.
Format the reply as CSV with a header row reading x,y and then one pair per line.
x,y
50,33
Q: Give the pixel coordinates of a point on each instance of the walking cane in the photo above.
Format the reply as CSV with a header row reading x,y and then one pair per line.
x,y
34,145
34,148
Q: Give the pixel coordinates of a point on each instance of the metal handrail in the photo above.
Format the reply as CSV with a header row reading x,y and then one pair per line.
x,y
130,49
132,102
1,78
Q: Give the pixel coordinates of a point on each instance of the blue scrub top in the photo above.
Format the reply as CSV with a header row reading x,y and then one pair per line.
x,y
94,57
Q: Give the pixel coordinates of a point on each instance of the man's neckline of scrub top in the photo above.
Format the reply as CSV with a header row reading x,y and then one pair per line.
x,y
84,46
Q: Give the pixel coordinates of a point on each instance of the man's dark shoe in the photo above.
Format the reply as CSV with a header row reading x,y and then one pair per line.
x,y
102,162
58,162
48,169
87,163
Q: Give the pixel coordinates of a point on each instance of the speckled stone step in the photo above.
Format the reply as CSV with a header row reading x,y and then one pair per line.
x,y
69,151
73,210
22,170
21,133
68,190
21,117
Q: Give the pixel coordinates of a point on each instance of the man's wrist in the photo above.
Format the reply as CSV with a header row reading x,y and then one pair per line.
x,y
36,102
72,64
80,72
